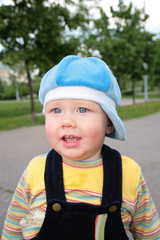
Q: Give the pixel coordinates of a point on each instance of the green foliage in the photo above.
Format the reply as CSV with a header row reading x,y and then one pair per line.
x,y
23,90
39,32
36,84
8,93
1,87
126,46
130,44
156,63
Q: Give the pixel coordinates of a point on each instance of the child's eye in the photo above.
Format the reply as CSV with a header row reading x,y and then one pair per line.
x,y
56,110
82,110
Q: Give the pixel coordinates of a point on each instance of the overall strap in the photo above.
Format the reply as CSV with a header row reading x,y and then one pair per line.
x,y
112,182
54,177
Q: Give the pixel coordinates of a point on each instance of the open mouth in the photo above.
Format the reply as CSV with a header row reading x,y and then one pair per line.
x,y
70,139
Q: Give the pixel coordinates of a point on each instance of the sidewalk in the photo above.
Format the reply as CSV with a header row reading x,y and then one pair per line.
x,y
129,101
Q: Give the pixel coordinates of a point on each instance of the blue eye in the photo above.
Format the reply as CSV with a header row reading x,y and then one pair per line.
x,y
56,110
82,110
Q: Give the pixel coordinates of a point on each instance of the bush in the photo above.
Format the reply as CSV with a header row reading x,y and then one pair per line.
x,y
23,90
126,93
8,93
36,85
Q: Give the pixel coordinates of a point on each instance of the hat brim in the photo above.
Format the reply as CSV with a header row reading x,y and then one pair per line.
x,y
119,128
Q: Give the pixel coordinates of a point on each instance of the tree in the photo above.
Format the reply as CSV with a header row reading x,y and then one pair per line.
x,y
156,63
123,46
38,33
130,27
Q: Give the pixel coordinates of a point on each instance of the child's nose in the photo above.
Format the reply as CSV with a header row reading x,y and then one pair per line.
x,y
69,121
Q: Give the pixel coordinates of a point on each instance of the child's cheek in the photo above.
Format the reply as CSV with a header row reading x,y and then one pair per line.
x,y
49,130
96,133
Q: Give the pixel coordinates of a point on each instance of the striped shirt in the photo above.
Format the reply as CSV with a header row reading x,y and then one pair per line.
x,y
83,182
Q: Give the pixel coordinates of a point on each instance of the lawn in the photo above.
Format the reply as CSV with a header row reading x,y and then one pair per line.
x,y
17,114
17,108
138,110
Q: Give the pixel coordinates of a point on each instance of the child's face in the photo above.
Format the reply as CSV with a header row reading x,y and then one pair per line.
x,y
76,128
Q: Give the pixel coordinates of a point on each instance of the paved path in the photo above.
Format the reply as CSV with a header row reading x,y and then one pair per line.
x,y
129,101
18,146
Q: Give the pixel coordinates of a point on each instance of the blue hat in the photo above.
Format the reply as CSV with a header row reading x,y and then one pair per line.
x,y
84,78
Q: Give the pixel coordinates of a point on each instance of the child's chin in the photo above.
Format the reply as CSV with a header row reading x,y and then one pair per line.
x,y
73,156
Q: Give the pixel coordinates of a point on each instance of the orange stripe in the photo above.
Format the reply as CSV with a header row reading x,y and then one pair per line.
x,y
73,167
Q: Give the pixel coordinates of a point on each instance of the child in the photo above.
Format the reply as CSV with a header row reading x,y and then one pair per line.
x,y
81,189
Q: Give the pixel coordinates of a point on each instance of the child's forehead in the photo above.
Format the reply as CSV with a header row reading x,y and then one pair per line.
x,y
73,102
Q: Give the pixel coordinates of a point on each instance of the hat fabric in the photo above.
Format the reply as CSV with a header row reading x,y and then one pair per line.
x,y
84,78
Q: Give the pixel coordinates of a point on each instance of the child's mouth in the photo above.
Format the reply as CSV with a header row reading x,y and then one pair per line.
x,y
70,139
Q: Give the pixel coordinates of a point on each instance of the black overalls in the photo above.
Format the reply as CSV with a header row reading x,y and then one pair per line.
x,y
76,221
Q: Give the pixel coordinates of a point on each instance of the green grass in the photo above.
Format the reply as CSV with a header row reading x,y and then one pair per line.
x,y
20,121
9,191
138,110
16,114
13,108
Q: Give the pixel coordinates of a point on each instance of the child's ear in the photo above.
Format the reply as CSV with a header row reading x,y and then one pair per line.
x,y
110,126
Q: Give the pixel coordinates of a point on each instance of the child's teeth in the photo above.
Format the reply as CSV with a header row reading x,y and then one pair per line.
x,y
70,139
